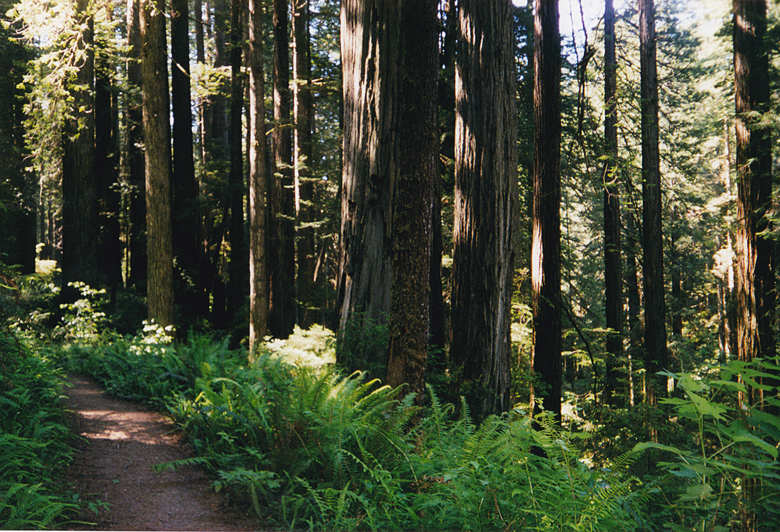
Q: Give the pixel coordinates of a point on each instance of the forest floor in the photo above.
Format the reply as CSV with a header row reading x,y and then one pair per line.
x,y
120,444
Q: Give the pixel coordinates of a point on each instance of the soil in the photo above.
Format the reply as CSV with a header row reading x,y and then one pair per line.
x,y
120,445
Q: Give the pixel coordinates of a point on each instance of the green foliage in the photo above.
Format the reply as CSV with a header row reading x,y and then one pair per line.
x,y
362,344
728,467
84,319
307,447
34,446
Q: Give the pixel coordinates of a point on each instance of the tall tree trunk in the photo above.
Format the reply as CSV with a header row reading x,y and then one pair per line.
x,y
485,180
302,158
633,305
217,152
106,167
652,243
157,136
411,209
186,211
676,273
369,55
546,233
239,257
258,278
438,333
755,296
282,209
728,315
79,178
134,147
613,277
28,186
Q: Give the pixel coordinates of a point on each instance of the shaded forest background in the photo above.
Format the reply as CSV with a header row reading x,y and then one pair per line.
x,y
581,224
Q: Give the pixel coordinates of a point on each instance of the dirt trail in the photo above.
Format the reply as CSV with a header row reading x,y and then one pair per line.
x,y
114,464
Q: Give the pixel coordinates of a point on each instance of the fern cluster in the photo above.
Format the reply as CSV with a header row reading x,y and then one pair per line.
x,y
306,446
310,447
34,447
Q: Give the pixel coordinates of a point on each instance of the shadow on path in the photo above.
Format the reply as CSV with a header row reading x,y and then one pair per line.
x,y
114,464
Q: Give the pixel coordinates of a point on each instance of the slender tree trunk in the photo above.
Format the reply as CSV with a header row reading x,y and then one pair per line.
x,y
411,209
135,154
186,211
258,282
633,304
369,55
238,251
613,277
216,149
106,167
26,230
676,274
154,75
727,285
485,180
546,231
303,157
652,243
79,179
438,333
282,213
755,282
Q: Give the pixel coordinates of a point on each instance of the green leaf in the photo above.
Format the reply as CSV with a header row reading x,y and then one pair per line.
x,y
758,442
705,407
697,492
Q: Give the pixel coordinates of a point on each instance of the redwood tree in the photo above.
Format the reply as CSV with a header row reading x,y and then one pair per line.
x,y
238,252
157,150
186,212
612,265
369,56
411,209
134,150
755,282
258,286
546,218
281,245
79,180
652,243
302,156
485,181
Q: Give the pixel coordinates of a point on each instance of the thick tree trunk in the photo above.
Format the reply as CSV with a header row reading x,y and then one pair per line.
x,y
281,250
369,55
303,158
613,277
135,154
186,213
755,282
239,257
154,75
411,209
80,226
652,243
485,180
258,279
546,230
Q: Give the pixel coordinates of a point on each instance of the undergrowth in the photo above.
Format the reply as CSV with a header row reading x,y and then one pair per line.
x,y
34,448
308,447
